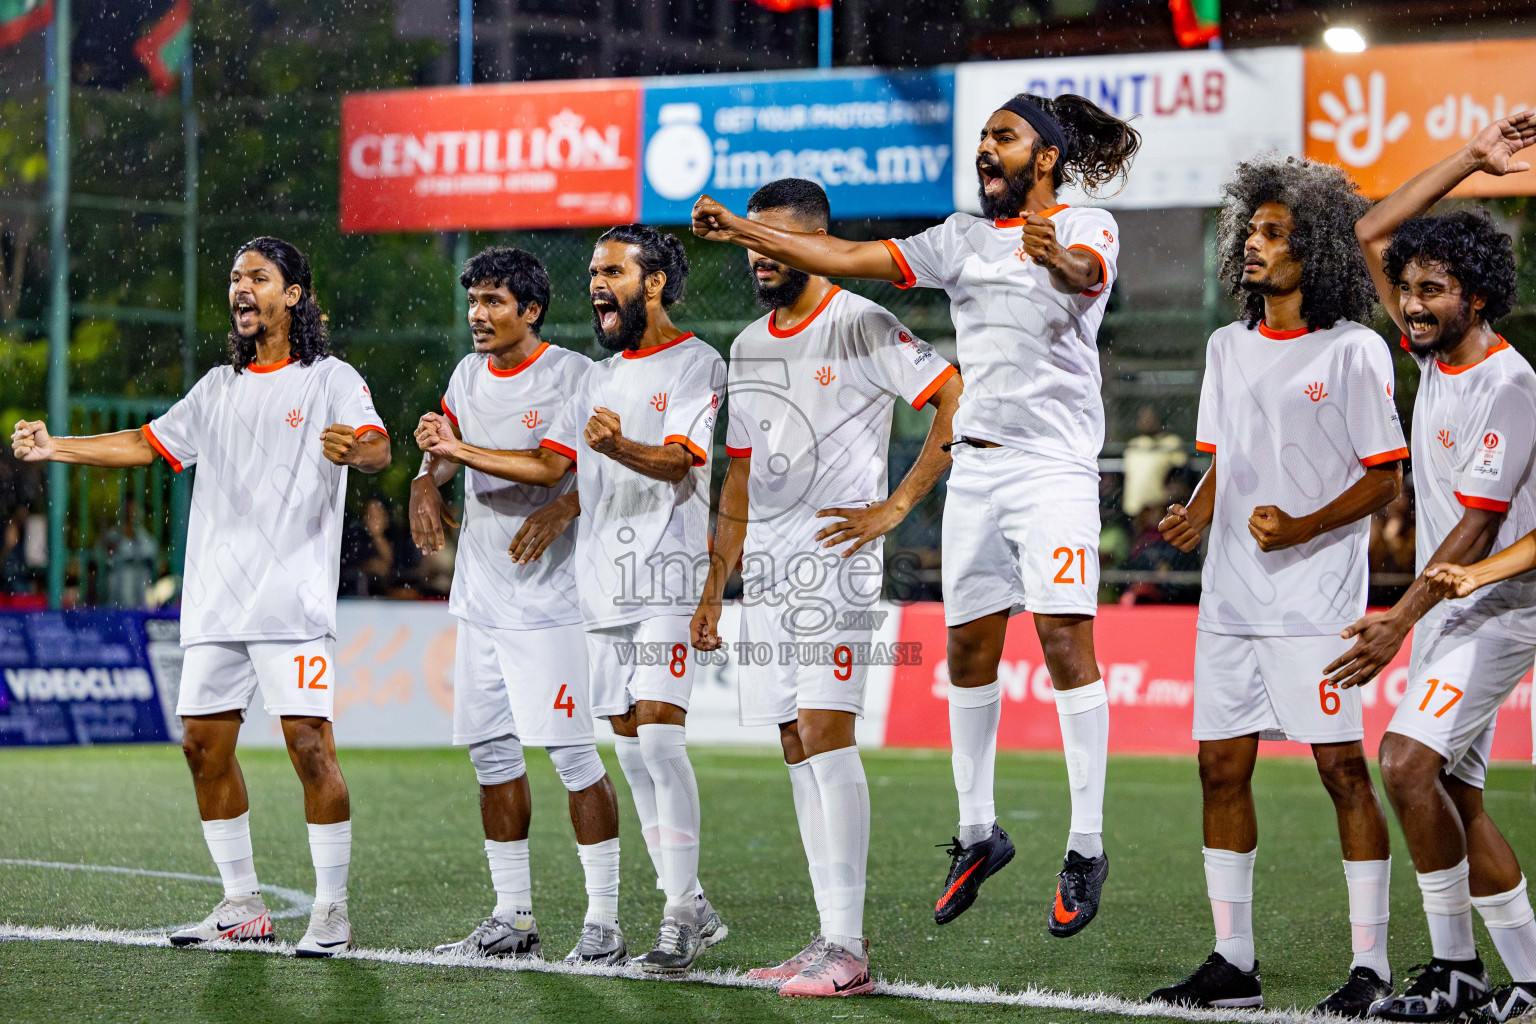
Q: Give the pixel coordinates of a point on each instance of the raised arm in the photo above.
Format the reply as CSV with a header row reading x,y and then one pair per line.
x,y
540,467
730,539
31,442
861,526
1379,635
1274,530
813,253
1491,151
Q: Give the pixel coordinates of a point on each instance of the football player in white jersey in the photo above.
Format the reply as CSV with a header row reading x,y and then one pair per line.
x,y
1297,414
812,390
273,433
638,432
1028,284
1446,281
520,669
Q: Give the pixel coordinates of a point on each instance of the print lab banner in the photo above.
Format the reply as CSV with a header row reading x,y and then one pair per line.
x,y
534,155
1198,112
1147,656
88,677
1388,113
879,143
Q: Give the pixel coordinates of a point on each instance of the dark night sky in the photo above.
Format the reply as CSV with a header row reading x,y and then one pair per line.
x,y
105,31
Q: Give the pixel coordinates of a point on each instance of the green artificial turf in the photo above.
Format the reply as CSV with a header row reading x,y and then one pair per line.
x,y
419,878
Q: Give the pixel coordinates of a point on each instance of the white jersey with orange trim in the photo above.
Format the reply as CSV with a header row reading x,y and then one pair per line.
x,y
642,544
1295,418
1473,433
511,410
1029,353
264,534
812,406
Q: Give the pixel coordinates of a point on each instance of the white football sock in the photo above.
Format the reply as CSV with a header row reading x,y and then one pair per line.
x,y
229,841
845,809
973,716
1512,926
1229,883
677,811
330,847
643,789
600,861
1369,883
512,879
813,832
1083,713
1448,906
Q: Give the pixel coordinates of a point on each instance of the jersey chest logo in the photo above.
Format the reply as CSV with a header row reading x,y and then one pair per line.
x,y
825,376
659,401
1316,391
1445,439
294,418
531,419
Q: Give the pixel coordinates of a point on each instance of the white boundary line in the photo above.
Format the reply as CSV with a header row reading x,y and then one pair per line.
x,y
1031,997
299,901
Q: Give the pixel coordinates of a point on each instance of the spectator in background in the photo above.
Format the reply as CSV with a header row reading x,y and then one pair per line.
x,y
1148,458
1392,551
129,556
377,555
16,577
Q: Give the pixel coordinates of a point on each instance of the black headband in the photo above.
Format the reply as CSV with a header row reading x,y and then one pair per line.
x,y
1044,124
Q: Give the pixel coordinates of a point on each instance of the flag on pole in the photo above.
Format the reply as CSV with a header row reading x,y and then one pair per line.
x,y
780,6
162,49
1196,22
19,18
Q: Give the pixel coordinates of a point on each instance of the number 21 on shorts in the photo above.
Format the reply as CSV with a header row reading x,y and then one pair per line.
x,y
1064,571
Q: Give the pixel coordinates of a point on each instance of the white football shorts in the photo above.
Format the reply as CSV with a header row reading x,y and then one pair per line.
x,y
810,638
297,677
647,660
527,683
1021,533
1457,679
1274,686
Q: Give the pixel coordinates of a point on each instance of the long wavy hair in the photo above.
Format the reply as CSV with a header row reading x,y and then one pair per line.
x,y
1100,146
1324,203
308,338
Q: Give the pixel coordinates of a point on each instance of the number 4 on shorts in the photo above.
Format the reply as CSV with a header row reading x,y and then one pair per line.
x,y
565,703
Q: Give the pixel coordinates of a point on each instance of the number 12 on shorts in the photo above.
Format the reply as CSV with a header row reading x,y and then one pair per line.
x,y
314,680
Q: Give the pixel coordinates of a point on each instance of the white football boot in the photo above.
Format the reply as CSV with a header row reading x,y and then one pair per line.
x,y
498,936
240,918
329,932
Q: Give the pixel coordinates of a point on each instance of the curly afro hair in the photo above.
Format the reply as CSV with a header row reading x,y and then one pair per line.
x,y
1465,245
1324,203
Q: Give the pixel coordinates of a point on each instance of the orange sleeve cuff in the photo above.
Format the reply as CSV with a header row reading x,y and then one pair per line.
x,y
908,279
559,449
154,442
1486,504
1103,270
738,453
699,457
360,431
1392,456
449,412
933,386
1205,446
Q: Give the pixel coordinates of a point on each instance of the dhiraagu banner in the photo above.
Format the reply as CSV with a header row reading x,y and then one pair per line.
x,y
879,143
